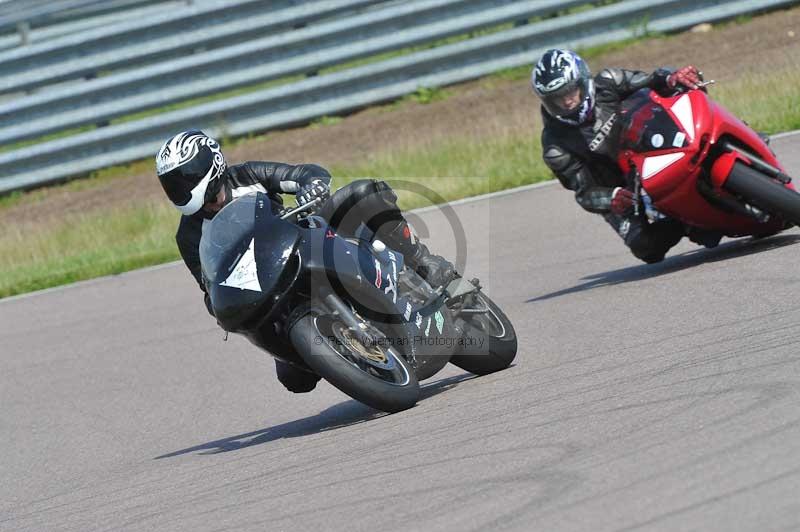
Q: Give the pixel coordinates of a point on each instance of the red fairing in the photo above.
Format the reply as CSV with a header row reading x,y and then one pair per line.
x,y
726,124
669,141
669,172
722,167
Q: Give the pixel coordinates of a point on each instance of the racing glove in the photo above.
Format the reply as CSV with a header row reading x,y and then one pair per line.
x,y
622,201
687,76
317,188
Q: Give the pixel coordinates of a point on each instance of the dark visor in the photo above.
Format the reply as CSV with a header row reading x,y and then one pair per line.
x,y
179,182
553,100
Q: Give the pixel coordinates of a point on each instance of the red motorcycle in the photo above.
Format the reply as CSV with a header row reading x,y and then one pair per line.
x,y
690,159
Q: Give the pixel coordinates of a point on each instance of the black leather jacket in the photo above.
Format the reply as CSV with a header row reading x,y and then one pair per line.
x,y
240,179
584,157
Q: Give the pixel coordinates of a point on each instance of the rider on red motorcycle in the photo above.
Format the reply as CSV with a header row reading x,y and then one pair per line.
x,y
580,143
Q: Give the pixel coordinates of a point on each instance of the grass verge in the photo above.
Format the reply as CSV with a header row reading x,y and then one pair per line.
x,y
85,247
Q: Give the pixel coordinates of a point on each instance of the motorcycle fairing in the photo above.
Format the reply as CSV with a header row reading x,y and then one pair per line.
x,y
382,268
369,280
670,174
244,253
358,273
269,255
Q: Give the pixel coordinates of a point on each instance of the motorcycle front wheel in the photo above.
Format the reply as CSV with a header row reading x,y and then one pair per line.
x,y
764,192
376,375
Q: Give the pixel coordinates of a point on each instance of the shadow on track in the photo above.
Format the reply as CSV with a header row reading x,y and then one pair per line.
x,y
690,259
338,416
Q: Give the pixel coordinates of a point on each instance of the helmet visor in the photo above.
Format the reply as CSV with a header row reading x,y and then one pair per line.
x,y
180,182
565,101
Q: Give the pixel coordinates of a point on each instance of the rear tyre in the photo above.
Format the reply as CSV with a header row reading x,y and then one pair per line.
x,y
490,340
378,376
764,192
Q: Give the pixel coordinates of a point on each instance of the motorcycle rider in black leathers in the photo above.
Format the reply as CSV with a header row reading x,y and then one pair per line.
x,y
579,143
195,177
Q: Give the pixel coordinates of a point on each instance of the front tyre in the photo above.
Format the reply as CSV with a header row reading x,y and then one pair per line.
x,y
378,376
490,342
764,192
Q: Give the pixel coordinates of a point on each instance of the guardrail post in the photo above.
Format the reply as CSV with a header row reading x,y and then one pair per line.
x,y
24,29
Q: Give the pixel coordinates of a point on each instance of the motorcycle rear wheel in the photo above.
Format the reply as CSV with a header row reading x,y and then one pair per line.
x,y
378,376
490,340
764,192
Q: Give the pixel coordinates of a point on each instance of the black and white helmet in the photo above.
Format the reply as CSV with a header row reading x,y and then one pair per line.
x,y
190,167
557,74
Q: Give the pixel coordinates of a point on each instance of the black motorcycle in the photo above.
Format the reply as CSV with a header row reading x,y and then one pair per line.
x,y
346,309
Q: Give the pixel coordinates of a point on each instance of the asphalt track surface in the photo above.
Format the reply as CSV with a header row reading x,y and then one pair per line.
x,y
661,397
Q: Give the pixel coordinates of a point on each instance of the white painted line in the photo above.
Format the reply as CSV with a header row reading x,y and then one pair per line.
x,y
786,134
78,284
490,195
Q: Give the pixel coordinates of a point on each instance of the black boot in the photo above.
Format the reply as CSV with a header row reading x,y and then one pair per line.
x,y
650,242
707,239
435,269
294,379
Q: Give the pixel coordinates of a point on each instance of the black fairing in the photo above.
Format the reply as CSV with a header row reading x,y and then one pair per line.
x,y
348,270
245,282
293,268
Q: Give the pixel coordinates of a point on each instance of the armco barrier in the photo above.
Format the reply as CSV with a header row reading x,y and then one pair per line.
x,y
172,34
271,58
337,92
35,30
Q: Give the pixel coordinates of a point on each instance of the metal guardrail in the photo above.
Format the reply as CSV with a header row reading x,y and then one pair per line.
x,y
269,38
23,15
261,60
34,11
337,92
104,7
60,23
37,12
172,34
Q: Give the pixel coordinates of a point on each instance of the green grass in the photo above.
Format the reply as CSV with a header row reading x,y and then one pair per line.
x,y
426,95
453,171
770,104
325,121
87,246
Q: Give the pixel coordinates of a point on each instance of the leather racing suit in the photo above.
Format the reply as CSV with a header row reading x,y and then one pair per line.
x,y
584,160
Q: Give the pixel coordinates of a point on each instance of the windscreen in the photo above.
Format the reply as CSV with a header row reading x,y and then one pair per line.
x,y
649,127
228,234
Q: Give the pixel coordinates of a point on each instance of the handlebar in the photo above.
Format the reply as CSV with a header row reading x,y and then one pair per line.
x,y
302,208
702,85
